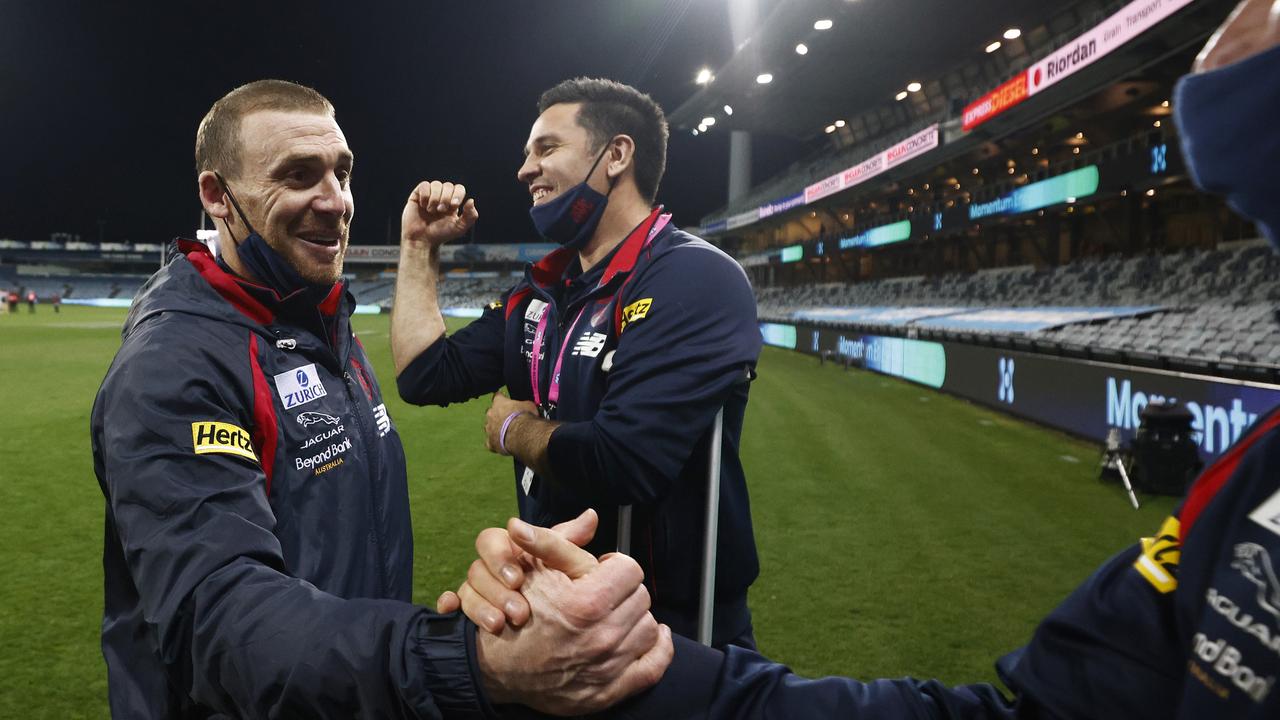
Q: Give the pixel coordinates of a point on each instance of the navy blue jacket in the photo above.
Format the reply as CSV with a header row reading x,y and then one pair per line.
x,y
258,555
674,322
1184,625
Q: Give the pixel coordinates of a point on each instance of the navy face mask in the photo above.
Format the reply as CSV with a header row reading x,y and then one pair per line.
x,y
260,259
571,219
1230,140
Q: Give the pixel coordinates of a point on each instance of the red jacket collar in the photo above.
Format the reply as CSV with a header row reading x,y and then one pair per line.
x,y
245,296
551,268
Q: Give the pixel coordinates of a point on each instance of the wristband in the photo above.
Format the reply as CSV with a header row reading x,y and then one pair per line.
x,y
502,434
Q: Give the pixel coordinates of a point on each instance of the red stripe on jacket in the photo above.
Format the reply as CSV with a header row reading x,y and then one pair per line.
x,y
264,415
1213,479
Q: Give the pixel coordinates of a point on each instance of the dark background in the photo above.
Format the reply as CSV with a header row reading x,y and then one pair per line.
x,y
99,101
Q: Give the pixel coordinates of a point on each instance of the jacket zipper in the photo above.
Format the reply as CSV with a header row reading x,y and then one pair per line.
x,y
372,454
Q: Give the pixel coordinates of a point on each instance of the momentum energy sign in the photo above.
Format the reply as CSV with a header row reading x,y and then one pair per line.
x,y
883,235
1075,184
1131,21
916,145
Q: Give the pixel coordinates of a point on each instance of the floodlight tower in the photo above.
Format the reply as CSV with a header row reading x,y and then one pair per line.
x,y
743,15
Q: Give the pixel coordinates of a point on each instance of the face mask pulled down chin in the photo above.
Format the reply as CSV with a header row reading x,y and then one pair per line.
x,y
1230,138
571,219
263,262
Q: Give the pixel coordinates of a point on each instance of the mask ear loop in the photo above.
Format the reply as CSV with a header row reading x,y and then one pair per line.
x,y
227,189
594,165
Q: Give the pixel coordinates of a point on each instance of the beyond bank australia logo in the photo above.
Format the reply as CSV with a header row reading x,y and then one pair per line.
x,y
1005,394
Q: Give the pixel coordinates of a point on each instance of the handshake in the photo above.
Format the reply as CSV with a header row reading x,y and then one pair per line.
x,y
574,634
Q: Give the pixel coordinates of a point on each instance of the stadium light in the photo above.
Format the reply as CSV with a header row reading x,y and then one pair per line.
x,y
704,76
1035,151
901,96
993,47
1164,104
1151,192
830,129
764,78
695,132
839,123
823,24
913,87
975,171
728,110
1156,123
702,128
708,121
1012,34
1075,151
802,49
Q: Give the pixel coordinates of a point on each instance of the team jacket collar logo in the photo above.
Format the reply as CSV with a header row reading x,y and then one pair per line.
x,y
299,386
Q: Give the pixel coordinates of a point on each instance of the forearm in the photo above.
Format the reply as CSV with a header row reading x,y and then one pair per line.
x,y
526,440
416,321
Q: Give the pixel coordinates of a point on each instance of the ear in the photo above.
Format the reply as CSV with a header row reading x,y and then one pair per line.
x,y
213,197
620,156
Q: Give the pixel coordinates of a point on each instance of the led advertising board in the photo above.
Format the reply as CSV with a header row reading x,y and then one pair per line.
x,y
792,253
883,235
995,102
1102,396
1077,184
1131,21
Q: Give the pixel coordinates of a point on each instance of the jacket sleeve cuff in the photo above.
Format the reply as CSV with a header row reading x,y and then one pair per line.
x,y
685,690
445,651
417,375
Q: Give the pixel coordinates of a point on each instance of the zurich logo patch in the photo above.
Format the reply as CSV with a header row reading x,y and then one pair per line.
x,y
299,386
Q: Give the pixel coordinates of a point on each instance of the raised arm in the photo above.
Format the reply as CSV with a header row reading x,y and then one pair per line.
x,y
430,219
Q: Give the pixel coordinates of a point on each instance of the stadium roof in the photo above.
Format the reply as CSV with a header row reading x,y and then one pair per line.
x,y
872,51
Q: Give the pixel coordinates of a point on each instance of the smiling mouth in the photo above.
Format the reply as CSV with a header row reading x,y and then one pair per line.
x,y
323,240
541,193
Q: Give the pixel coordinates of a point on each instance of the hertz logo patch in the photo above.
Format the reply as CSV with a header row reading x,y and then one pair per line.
x,y
635,311
216,437
1158,562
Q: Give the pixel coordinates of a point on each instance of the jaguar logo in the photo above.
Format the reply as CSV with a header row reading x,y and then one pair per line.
x,y
307,419
1253,562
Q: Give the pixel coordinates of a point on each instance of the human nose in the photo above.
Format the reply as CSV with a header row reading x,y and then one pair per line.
x,y
528,170
331,196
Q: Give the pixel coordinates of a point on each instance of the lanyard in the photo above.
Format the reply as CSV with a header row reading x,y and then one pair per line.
x,y
539,338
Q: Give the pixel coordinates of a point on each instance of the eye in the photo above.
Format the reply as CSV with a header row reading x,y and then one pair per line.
x,y
344,177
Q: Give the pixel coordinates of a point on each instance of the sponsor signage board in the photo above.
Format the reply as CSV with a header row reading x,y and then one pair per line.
x,y
995,102
469,253
792,253
1068,187
1102,397
741,219
780,205
1131,21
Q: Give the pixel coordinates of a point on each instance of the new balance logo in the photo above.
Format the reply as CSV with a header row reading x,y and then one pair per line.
x,y
384,421
1005,393
590,344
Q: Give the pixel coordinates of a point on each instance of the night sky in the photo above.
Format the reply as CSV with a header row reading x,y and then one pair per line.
x,y
99,100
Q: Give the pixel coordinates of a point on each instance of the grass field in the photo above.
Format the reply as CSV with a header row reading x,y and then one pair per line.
x,y
901,531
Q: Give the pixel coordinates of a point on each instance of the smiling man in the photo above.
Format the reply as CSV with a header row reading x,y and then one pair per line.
x,y
618,350
258,557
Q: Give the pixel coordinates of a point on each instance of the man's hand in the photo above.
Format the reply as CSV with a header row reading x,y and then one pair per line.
x,y
1253,27
490,595
499,411
431,214
590,641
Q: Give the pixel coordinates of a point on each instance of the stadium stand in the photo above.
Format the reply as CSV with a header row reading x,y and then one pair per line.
x,y
1214,305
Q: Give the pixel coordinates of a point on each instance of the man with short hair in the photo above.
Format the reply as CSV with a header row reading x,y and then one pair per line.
x,y
258,554
618,350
